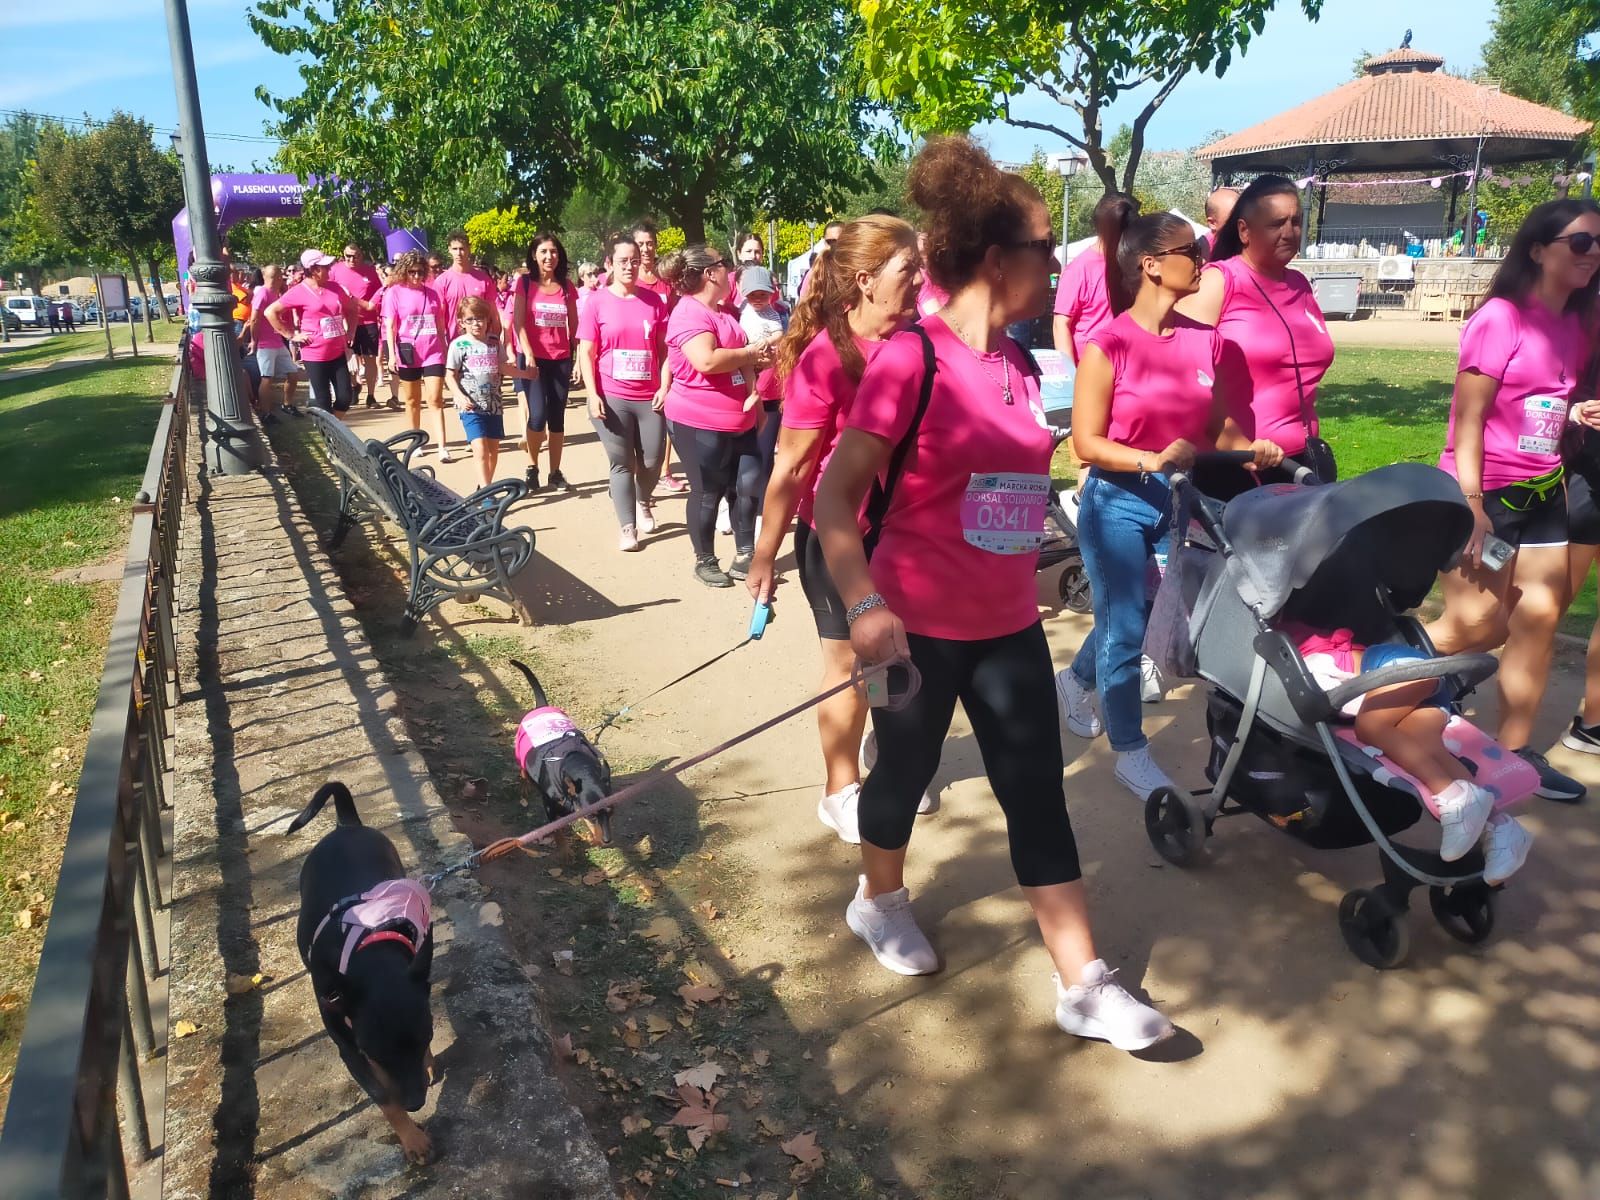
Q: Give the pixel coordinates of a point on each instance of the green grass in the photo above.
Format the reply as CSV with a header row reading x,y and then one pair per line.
x,y
72,449
36,352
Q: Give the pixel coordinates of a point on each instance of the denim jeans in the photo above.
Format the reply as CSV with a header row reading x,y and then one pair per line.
x,y
1121,521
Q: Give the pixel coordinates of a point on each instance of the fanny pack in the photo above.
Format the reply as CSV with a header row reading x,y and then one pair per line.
x,y
1519,497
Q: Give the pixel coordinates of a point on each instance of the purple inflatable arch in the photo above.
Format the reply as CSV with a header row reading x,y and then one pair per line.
x,y
244,197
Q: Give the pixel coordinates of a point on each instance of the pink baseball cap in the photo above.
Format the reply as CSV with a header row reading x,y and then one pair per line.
x,y
316,258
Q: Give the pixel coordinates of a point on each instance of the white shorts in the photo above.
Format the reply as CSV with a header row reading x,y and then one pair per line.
x,y
275,362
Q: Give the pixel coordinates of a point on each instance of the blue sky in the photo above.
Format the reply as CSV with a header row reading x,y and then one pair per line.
x,y
71,57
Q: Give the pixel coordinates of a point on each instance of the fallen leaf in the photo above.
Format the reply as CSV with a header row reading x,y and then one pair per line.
x,y
803,1148
694,994
625,993
475,789
595,876
657,1026
767,1127
631,1037
761,1057
9,1001
752,1098
644,847
563,1046
704,1076
563,961
707,910
696,1116
24,919
184,1029
489,914
634,1124
238,985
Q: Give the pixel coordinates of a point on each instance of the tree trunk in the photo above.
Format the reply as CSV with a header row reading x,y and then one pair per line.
x,y
35,278
155,275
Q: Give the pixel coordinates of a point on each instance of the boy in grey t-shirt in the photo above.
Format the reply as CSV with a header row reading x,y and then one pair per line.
x,y
474,364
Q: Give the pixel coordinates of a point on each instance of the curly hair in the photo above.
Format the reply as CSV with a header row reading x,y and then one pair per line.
x,y
970,204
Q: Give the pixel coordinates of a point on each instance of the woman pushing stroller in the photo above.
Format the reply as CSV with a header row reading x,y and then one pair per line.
x,y
1146,401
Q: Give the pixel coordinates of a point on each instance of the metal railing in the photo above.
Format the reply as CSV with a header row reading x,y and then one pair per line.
x,y
89,1021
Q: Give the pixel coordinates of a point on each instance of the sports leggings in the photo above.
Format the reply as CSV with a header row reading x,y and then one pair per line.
x,y
1005,685
634,436
329,383
714,463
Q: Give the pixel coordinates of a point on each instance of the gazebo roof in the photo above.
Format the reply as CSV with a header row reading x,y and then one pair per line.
x,y
1403,113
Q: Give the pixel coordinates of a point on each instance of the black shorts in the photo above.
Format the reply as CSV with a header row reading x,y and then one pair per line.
x,y
365,344
1583,516
412,374
827,609
1540,523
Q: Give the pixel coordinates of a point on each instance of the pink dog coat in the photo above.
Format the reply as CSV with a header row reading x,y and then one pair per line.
x,y
396,907
538,729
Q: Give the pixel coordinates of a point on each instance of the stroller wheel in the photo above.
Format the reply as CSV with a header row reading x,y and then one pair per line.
x,y
1465,912
1076,595
1175,827
1374,931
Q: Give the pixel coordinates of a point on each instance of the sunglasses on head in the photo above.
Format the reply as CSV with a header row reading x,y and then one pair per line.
x,y
1578,243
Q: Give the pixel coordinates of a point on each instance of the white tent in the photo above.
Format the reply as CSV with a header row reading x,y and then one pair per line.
x,y
795,270
1071,250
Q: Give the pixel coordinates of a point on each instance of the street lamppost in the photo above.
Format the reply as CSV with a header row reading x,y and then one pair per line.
x,y
1066,165
233,443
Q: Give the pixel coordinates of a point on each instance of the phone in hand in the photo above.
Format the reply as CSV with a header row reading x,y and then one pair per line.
x,y
1496,552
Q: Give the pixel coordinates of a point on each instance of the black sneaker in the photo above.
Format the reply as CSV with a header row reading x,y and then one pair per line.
x,y
295,410
739,568
558,482
1585,739
708,573
270,419
1553,785
532,478
372,401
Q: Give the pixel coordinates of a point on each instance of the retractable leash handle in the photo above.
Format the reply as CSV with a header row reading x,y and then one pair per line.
x,y
890,685
760,617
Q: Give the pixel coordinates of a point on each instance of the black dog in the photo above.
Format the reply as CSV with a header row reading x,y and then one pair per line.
x,y
365,936
558,761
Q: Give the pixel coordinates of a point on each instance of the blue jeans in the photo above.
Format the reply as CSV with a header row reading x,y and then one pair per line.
x,y
1120,523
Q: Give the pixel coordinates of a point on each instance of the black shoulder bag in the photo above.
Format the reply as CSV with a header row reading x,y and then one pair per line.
x,y
1318,455
882,494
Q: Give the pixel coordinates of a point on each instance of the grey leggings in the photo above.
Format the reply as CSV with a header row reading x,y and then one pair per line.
x,y
634,435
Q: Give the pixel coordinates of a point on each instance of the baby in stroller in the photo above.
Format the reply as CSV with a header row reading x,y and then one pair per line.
x,y
1406,723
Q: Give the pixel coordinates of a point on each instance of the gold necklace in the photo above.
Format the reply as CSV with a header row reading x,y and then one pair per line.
x,y
1005,366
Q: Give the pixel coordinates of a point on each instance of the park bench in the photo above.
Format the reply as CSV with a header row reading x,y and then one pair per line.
x,y
457,546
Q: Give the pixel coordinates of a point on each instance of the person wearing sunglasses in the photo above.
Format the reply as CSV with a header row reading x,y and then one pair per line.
x,y
1081,305
1522,353
712,408
948,417
1147,399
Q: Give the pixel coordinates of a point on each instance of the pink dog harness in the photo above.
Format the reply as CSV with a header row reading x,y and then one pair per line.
x,y
396,910
540,728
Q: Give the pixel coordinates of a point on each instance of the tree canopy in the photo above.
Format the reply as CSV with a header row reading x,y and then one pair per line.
x,y
946,65
689,106
1548,51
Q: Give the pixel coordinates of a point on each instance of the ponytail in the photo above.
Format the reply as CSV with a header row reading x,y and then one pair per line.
x,y
1141,237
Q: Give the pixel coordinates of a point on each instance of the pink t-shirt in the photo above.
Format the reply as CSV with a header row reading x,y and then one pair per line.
x,y
267,338
818,395
548,319
319,313
663,289
506,304
418,319
361,283
453,286
629,335
1162,387
960,544
714,402
1081,295
931,298
1258,354
1536,357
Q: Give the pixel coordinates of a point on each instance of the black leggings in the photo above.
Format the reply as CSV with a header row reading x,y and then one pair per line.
x,y
716,463
330,384
1007,689
547,395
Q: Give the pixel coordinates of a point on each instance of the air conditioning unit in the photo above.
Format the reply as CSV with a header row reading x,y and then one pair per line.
x,y
1394,267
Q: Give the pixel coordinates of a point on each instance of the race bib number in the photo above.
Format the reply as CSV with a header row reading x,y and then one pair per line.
x,y
1542,419
631,365
420,324
1004,513
480,363
331,328
550,316
736,378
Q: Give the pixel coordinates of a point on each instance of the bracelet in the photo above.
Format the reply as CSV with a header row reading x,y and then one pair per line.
x,y
1472,495
864,606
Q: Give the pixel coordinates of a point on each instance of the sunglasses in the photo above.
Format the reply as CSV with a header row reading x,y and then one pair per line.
x,y
1193,251
1578,243
1044,245
721,262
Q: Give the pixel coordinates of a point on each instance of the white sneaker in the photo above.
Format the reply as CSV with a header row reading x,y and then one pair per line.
x,y
838,812
646,518
1462,813
1078,709
885,923
1505,848
1152,688
724,517
1138,772
629,539
869,756
445,455
1100,1007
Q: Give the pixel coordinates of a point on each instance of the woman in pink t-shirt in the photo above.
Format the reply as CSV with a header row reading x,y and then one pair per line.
x,y
1522,353
965,458
414,331
622,346
1146,399
1081,306
1275,342
712,408
545,318
837,329
319,316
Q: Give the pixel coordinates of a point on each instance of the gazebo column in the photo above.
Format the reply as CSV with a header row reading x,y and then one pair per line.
x,y
1455,195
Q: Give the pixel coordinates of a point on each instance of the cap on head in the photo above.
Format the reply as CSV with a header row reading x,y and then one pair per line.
x,y
316,258
755,279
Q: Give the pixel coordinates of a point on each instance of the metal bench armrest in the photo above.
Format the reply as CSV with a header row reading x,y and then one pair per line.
x,y
403,445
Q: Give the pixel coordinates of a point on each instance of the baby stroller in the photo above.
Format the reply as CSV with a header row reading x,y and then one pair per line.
x,y
1355,554
1060,546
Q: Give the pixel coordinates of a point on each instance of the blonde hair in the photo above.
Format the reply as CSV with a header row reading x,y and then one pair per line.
x,y
866,246
409,263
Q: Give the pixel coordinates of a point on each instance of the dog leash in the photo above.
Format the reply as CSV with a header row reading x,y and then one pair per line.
x,y
859,678
612,718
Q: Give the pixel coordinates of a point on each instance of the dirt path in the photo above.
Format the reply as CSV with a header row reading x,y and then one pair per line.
x,y
1298,1073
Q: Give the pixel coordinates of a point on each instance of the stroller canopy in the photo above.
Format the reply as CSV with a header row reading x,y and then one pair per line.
x,y
1320,554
